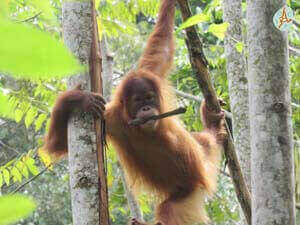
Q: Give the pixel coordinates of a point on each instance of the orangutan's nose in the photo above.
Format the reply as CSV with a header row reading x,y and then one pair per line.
x,y
146,108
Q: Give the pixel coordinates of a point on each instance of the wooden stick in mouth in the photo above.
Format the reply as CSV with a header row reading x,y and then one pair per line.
x,y
143,120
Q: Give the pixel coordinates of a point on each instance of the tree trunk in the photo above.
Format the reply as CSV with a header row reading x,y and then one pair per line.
x,y
107,69
238,88
135,211
272,171
77,32
107,75
238,85
199,66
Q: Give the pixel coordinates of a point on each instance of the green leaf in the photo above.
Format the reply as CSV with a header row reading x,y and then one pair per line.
x,y
30,53
218,29
23,169
18,115
45,7
31,166
199,18
30,115
39,121
6,109
239,46
6,176
113,28
16,174
14,208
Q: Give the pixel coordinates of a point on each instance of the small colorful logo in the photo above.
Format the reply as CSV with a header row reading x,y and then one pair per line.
x,y
283,18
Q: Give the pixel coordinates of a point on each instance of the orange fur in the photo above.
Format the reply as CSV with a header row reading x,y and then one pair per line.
x,y
180,168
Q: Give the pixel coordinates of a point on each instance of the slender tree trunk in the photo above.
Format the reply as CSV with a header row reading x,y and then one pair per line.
x,y
107,69
238,85
77,32
238,88
272,170
135,211
107,75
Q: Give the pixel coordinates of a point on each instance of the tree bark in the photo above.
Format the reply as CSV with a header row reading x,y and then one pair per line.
x,y
272,170
238,88
107,69
199,66
238,85
77,32
135,210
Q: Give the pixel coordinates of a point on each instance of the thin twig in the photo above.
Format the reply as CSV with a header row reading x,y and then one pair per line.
x,y
143,120
224,173
8,147
31,179
198,100
31,18
294,51
188,96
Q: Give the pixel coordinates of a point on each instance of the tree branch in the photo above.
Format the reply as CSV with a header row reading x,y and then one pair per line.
x,y
295,105
143,120
199,67
95,63
199,100
31,179
30,18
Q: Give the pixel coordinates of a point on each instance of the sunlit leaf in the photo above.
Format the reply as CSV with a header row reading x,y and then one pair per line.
x,y
30,115
39,121
17,176
14,208
30,163
46,158
44,6
218,29
199,18
23,169
239,47
18,115
114,28
97,3
6,176
100,28
36,54
6,109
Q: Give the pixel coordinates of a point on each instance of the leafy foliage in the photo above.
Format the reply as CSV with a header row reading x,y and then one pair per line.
x,y
239,46
218,29
7,108
36,53
15,207
193,20
17,169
